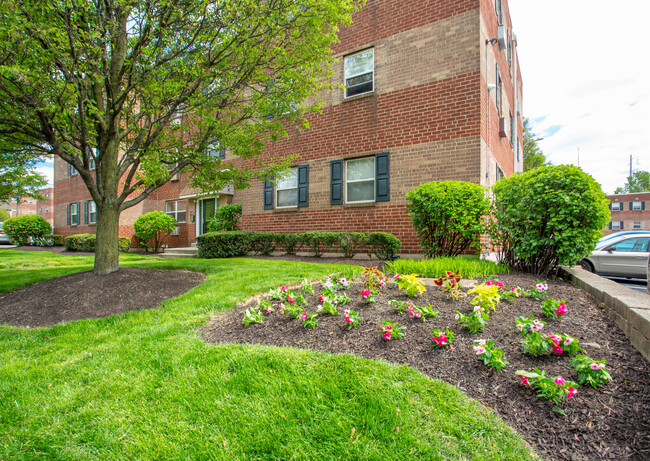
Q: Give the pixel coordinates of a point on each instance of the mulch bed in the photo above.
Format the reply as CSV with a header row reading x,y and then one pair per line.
x,y
612,422
84,295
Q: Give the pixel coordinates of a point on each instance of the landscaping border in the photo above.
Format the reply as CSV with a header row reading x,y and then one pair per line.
x,y
628,308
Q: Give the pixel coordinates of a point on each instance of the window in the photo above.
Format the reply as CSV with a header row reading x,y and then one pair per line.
x,y
512,129
637,244
71,171
498,91
286,190
90,212
177,209
73,214
362,180
30,212
616,225
13,210
216,150
40,211
291,191
359,70
617,206
499,174
634,206
636,225
30,201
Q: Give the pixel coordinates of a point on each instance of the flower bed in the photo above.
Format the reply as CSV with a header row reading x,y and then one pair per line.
x,y
604,422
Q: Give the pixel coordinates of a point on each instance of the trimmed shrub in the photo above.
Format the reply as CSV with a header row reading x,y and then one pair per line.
x,y
383,244
292,243
57,240
152,227
448,216
548,216
351,243
22,229
226,218
48,240
86,242
320,242
263,242
223,244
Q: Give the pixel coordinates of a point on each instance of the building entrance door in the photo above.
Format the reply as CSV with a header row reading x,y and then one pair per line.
x,y
208,206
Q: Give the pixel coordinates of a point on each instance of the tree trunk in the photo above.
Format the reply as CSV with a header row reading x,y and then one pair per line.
x,y
106,250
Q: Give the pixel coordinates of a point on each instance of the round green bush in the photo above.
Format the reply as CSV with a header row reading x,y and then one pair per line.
x,y
448,216
226,218
151,227
23,230
548,216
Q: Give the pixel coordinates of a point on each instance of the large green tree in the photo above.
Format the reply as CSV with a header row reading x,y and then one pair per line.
x,y
18,177
638,182
533,155
105,83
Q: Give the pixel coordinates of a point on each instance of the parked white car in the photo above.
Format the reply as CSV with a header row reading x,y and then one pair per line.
x,y
4,240
622,256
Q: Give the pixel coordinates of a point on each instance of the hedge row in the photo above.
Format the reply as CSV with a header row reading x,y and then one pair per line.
x,y
242,243
86,242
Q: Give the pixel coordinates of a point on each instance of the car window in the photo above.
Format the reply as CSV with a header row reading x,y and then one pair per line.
x,y
631,245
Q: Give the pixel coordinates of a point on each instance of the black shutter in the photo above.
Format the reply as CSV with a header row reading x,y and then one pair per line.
x,y
622,222
67,207
303,185
86,212
610,206
630,206
382,177
336,182
643,205
268,195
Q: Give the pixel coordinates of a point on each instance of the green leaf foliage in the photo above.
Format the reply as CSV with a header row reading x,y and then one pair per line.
x,y
548,216
226,218
152,227
22,229
448,216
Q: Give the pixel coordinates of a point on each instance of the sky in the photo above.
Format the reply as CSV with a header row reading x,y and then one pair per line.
x,y
585,69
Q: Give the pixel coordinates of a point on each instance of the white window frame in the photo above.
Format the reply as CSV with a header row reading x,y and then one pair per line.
x,y
617,206
636,206
216,150
346,78
374,179
174,213
636,225
92,210
278,188
75,218
616,225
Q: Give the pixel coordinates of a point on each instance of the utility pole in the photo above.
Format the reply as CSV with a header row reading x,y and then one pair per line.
x,y
630,164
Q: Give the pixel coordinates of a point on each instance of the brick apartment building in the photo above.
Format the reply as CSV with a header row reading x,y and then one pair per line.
x,y
30,205
432,92
629,212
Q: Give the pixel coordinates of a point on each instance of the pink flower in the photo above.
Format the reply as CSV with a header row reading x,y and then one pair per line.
x,y
382,283
499,284
520,327
388,327
561,310
479,350
489,283
452,348
290,301
481,342
321,298
558,349
365,293
568,341
304,316
411,313
347,319
597,366
418,314
560,381
387,335
556,339
284,288
477,308
541,287
456,316
397,277
267,310
571,393
524,380
537,327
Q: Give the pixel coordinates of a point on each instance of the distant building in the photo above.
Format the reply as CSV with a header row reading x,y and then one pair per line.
x,y
30,206
629,212
432,92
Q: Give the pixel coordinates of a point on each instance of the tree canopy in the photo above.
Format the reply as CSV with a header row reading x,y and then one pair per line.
x,y
533,155
17,175
130,93
638,182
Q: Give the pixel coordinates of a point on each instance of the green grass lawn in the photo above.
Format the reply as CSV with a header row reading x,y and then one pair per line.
x,y
143,385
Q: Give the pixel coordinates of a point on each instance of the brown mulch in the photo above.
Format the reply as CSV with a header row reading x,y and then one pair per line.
x,y
612,422
84,295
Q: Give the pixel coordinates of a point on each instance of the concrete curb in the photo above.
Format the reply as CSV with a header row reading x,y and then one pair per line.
x,y
630,309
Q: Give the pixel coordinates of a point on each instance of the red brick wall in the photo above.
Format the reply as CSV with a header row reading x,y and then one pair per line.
x,y
629,217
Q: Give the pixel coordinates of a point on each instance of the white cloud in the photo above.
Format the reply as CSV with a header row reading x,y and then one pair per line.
x,y
584,70
47,170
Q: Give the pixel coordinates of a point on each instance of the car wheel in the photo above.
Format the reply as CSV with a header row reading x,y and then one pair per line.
x,y
586,265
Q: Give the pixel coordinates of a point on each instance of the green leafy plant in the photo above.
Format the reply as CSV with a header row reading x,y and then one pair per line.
x,y
422,312
226,218
487,296
546,217
527,325
351,242
554,309
512,294
252,315
411,285
563,343
341,299
383,245
368,296
490,355
450,284
328,307
392,330
440,338
265,306
22,229
538,292
401,306
306,287
535,344
291,242
591,372
309,320
152,227
352,318
474,322
553,389
292,310
373,279
448,216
